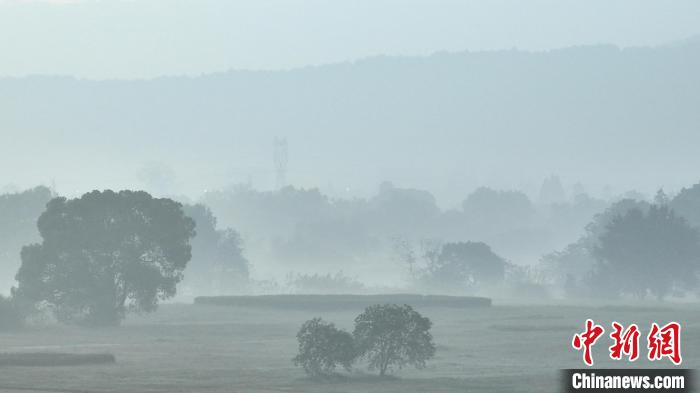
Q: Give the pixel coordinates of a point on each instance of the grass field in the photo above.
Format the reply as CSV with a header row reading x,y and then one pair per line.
x,y
203,348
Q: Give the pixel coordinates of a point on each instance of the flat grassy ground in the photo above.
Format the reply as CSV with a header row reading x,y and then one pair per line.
x,y
197,348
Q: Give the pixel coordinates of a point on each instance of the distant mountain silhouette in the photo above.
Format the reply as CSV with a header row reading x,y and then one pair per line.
x,y
593,113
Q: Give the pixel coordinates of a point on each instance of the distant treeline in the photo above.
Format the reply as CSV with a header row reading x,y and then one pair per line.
x,y
569,246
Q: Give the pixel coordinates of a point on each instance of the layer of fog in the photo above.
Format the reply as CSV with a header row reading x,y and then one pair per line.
x,y
610,119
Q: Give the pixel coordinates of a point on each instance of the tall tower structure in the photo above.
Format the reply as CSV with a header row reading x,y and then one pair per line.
x,y
280,159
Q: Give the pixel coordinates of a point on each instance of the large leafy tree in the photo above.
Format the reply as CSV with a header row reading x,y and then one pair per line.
x,y
391,335
106,253
572,268
651,252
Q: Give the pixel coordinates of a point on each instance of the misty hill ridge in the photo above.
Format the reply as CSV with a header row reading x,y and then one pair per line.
x,y
690,43
470,117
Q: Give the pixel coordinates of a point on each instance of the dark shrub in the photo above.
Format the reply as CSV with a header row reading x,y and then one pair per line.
x,y
322,347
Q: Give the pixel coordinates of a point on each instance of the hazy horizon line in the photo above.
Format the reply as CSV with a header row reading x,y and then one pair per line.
x,y
687,41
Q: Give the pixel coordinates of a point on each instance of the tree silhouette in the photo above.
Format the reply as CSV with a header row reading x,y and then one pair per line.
x,y
653,252
19,212
322,347
462,265
392,335
105,253
687,204
573,266
217,261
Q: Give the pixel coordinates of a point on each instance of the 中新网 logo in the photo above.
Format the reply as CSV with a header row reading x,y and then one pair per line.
x,y
661,342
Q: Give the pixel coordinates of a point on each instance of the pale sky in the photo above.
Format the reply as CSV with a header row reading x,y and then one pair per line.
x,y
150,38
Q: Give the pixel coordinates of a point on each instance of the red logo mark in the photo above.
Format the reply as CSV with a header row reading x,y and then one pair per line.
x,y
626,342
665,342
586,339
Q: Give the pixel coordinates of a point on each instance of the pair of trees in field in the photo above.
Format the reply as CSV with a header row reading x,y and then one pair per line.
x,y
386,336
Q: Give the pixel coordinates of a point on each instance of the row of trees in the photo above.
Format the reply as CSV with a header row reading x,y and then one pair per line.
x,y
303,226
107,253
387,336
633,248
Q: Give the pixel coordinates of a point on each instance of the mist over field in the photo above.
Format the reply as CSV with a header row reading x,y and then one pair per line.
x,y
390,196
